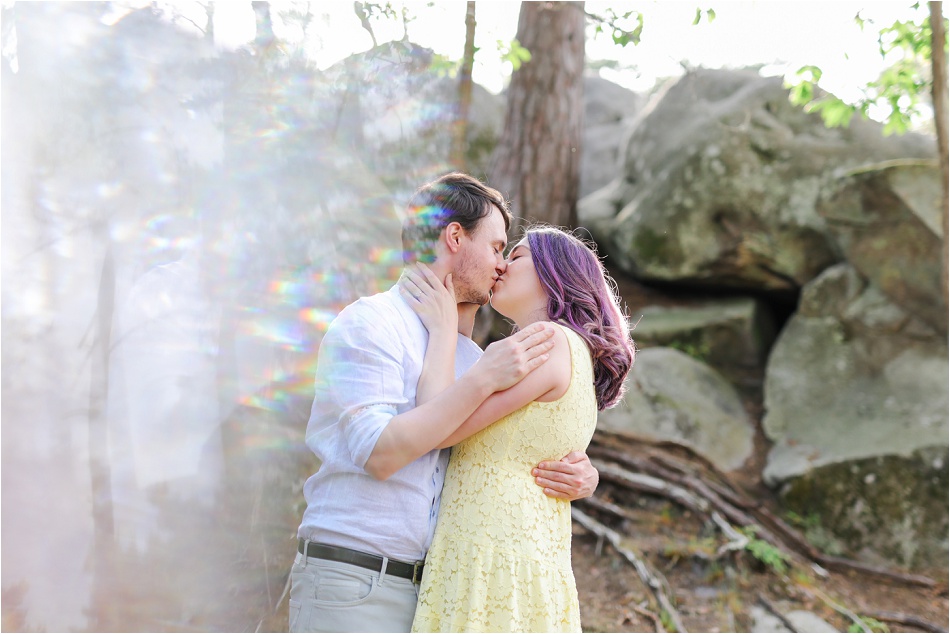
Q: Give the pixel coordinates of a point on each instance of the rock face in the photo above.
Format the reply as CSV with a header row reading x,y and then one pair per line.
x,y
608,108
855,384
721,175
886,219
733,335
891,508
671,396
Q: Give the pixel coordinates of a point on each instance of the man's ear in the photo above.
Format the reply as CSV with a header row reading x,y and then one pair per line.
x,y
452,237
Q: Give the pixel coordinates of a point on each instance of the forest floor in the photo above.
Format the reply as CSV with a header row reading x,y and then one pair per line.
x,y
721,595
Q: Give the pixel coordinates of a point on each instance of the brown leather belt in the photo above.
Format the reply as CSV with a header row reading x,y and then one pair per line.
x,y
402,569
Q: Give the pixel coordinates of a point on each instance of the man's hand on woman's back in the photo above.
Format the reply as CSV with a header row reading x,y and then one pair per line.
x,y
571,478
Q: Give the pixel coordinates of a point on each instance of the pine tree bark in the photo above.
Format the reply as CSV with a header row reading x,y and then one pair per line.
x,y
537,161
939,62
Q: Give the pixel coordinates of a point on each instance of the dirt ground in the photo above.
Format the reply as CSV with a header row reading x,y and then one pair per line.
x,y
717,596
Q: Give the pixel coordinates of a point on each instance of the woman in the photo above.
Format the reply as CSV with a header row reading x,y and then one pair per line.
x,y
500,559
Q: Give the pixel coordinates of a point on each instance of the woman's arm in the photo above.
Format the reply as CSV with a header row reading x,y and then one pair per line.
x,y
547,383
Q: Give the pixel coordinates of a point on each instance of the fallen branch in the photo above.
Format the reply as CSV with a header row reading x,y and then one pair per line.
x,y
652,579
658,486
609,507
906,619
768,605
737,541
657,621
824,598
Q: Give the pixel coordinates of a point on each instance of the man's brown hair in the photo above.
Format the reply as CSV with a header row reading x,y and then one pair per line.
x,y
454,197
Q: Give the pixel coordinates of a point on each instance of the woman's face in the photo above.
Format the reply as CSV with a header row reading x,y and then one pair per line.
x,y
518,291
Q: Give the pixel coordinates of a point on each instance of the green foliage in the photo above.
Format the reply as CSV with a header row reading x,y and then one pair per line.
x,y
375,10
765,552
514,53
699,351
901,90
442,66
667,621
816,534
710,15
868,624
619,27
809,521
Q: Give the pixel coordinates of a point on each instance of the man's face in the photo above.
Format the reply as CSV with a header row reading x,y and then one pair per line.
x,y
481,259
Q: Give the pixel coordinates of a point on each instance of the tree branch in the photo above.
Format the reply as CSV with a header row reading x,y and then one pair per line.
x,y
652,579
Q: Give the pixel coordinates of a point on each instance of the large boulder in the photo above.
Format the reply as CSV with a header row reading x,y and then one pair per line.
x,y
608,108
671,396
733,335
720,180
856,385
887,220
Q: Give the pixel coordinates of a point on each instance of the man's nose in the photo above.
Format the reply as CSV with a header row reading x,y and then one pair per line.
x,y
501,267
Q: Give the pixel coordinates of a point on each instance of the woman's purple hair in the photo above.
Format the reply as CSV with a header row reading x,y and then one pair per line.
x,y
584,297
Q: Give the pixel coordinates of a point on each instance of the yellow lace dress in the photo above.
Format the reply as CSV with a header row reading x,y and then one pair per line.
x,y
500,559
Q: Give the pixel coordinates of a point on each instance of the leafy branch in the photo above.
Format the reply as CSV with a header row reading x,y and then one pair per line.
x,y
618,26
901,90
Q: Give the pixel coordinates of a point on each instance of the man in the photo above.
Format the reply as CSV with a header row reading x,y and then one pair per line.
x,y
373,504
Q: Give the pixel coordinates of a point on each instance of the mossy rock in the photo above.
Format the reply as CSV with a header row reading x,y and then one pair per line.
x,y
889,507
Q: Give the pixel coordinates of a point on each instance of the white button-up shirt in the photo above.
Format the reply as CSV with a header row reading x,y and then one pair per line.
x,y
367,370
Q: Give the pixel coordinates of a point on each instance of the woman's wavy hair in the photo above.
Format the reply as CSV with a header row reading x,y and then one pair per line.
x,y
584,297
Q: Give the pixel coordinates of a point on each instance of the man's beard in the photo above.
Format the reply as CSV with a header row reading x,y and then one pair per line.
x,y
466,290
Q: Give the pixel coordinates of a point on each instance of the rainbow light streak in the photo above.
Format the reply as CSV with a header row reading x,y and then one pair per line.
x,y
287,334
386,257
317,317
284,387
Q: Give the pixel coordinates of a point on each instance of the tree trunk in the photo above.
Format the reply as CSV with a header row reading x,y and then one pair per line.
x,y
460,128
939,61
100,472
264,33
537,162
209,22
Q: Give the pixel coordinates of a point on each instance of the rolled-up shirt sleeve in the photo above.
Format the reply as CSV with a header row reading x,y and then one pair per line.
x,y
360,383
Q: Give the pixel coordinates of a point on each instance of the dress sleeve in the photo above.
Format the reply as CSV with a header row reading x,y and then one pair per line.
x,y
360,382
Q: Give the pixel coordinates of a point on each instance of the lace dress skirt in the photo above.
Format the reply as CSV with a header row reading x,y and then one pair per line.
x,y
500,560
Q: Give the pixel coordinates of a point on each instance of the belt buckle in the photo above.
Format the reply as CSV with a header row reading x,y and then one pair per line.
x,y
417,573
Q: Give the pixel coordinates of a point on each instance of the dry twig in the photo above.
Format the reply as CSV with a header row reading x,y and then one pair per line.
x,y
906,619
768,605
654,580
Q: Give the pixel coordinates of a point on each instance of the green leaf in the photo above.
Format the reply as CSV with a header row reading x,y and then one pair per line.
x,y
813,72
710,15
699,14
514,53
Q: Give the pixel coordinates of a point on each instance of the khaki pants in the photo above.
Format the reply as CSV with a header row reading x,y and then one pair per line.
x,y
328,596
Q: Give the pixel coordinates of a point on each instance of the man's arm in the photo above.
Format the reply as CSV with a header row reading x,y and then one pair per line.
x,y
409,435
571,478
